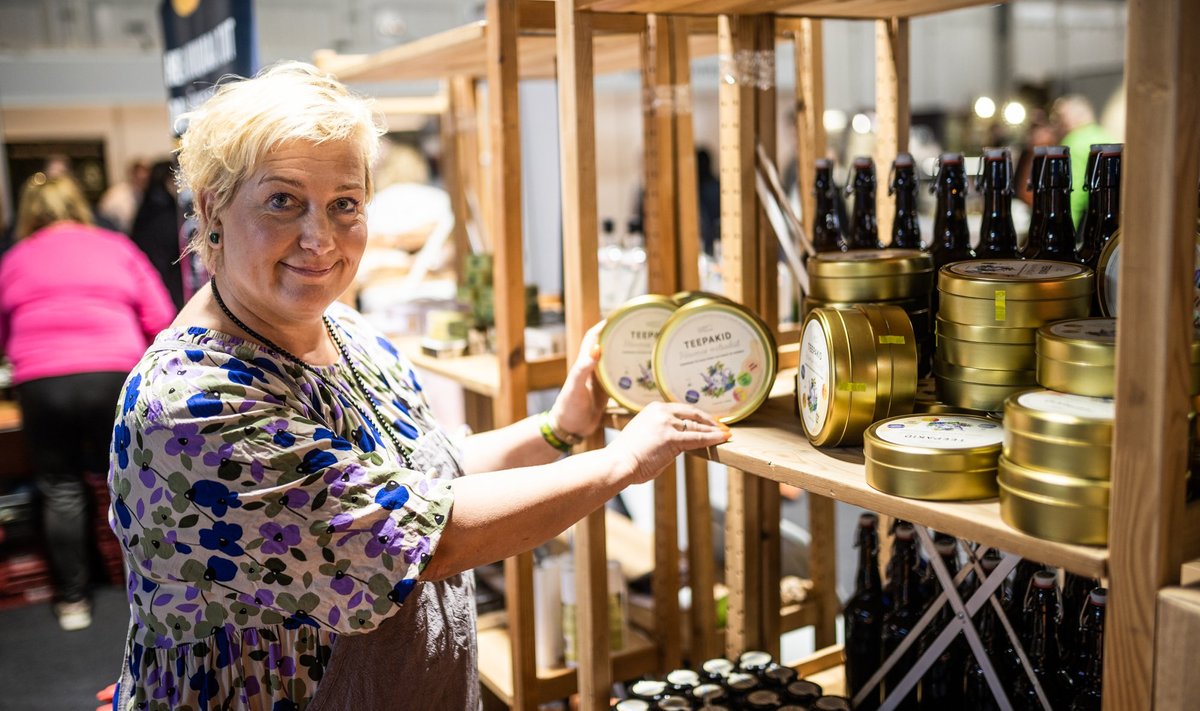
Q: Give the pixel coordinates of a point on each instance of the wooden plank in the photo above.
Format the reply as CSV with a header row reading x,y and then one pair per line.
x,y
480,374
766,245
1176,649
738,122
1190,573
688,197
518,593
451,163
667,630
891,109
487,198
701,561
743,564
851,9
1155,312
822,567
658,156
810,110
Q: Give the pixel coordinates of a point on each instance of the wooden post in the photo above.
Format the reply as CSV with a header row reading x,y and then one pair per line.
x,y
688,197
451,161
891,110
658,153
1154,336
822,565
810,110
1176,648
701,560
577,116
465,107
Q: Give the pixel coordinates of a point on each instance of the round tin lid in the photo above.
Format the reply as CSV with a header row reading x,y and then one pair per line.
x,y
1019,279
626,367
859,263
943,442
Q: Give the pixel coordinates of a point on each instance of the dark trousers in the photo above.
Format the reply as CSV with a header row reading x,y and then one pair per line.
x,y
68,421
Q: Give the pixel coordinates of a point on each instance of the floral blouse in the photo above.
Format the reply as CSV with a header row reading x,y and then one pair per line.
x,y
263,514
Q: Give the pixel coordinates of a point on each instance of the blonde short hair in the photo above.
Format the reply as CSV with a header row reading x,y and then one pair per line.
x,y
45,200
245,119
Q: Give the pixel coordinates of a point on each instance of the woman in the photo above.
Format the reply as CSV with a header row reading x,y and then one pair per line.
x,y
156,228
296,527
78,305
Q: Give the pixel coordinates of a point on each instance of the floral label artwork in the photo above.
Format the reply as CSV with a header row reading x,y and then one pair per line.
x,y
1017,270
626,354
815,376
717,362
941,431
1100,330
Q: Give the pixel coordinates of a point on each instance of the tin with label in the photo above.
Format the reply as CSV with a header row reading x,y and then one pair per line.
x,y
869,275
1059,432
626,367
836,382
1079,356
1013,293
1053,506
937,457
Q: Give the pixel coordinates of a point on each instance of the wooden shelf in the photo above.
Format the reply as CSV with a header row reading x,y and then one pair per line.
x,y
848,9
639,657
771,444
480,374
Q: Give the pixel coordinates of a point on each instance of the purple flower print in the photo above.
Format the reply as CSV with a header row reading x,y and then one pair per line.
x,y
421,549
352,475
277,538
386,537
341,522
214,459
185,438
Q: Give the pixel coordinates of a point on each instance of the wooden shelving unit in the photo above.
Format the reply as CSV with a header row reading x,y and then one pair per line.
x,y
1151,531
481,374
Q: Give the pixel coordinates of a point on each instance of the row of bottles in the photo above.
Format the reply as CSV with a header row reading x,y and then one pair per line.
x,y
1051,235
1061,635
754,683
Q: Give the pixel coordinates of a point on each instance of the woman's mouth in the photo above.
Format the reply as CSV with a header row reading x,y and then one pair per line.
x,y
310,271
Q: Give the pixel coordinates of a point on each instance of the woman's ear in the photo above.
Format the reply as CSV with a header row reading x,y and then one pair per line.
x,y
205,202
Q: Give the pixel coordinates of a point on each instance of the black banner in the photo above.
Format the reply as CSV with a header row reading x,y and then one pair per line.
x,y
205,40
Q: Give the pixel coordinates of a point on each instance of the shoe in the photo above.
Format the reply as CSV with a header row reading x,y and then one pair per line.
x,y
73,616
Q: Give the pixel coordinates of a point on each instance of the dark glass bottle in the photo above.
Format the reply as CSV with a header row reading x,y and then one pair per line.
x,y
1085,694
1082,226
827,220
951,240
904,553
1041,618
863,614
1076,589
997,235
977,695
1056,231
1014,594
1032,245
864,230
1105,194
942,685
905,612
906,233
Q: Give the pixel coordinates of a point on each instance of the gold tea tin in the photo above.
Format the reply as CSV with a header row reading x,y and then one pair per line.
x,y
937,457
927,402
1079,356
1052,506
984,376
1059,432
868,275
1108,273
626,367
716,355
1013,293
683,297
895,357
837,382
986,347
977,388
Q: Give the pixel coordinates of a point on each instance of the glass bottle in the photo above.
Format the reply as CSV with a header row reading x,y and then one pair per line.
x,y
1032,245
1076,589
864,230
827,221
1090,169
1014,594
977,694
942,685
905,612
1105,194
997,235
906,232
1041,618
1056,231
863,614
951,240
1086,695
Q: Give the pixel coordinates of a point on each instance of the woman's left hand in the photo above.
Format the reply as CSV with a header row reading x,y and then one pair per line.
x,y
582,400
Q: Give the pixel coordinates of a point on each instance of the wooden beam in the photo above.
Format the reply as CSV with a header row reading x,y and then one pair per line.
x,y
810,111
737,135
822,567
1177,647
688,272
451,163
1155,334
577,116
891,109
667,630
701,561
658,155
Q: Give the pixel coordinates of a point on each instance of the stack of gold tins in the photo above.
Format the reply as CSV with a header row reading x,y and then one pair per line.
x,y
943,457
898,277
1054,471
1079,356
857,365
987,322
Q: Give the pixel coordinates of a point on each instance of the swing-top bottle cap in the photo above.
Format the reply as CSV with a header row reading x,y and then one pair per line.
x,y
995,154
1044,579
1040,150
904,160
868,520
904,531
863,162
1098,596
824,164
946,158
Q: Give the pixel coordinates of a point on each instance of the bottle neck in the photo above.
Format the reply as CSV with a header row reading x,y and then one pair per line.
x,y
1057,236
864,231
997,235
950,229
868,563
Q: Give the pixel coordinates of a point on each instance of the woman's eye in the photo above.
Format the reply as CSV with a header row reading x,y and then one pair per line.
x,y
345,205
279,200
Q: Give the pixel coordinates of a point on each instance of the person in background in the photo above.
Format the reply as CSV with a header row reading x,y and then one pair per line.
x,y
298,529
156,228
1075,120
1039,133
120,202
78,304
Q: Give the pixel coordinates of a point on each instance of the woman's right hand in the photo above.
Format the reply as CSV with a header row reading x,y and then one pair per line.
x,y
661,432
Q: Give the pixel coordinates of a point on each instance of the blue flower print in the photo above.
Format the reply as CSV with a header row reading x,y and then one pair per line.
x,y
220,569
214,495
240,373
222,537
387,346
401,590
364,439
392,495
315,460
195,355
204,404
277,538
336,442
124,515
386,537
121,440
131,394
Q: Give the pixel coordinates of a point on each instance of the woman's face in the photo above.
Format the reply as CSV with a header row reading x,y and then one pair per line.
x,y
293,235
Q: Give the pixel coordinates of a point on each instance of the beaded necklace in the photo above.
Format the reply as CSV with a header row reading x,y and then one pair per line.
x,y
345,354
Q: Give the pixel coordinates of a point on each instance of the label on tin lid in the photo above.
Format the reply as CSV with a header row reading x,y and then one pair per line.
x,y
815,374
1100,330
1110,272
715,359
941,431
1016,269
627,351
1099,408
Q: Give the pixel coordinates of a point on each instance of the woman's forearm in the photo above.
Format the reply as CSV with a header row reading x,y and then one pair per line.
x,y
519,444
502,513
